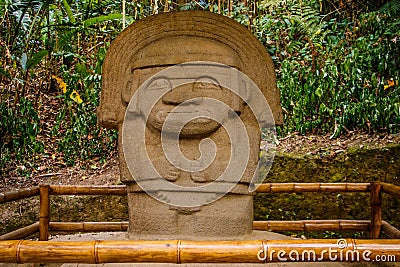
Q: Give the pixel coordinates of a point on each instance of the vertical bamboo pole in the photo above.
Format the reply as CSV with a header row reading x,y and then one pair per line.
x,y
376,209
44,213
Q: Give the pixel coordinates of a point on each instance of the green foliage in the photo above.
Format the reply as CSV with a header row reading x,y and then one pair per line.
x,y
77,123
337,66
333,75
391,8
19,128
54,38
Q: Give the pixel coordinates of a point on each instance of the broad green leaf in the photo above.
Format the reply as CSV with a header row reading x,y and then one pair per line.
x,y
69,12
374,80
36,58
95,20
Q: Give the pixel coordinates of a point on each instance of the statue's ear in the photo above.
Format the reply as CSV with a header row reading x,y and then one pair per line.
x,y
237,103
241,94
129,87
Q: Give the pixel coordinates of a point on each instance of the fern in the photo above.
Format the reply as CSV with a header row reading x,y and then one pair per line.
x,y
306,23
308,19
391,8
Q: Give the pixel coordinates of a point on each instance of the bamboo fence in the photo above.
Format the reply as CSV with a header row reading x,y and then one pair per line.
x,y
313,187
89,226
278,226
390,230
376,225
20,194
22,232
376,209
391,189
181,251
119,190
312,225
44,213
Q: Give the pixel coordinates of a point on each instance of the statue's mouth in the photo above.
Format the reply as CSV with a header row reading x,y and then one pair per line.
x,y
188,123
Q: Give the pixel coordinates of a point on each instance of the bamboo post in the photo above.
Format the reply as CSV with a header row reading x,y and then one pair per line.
x,y
186,251
376,209
44,213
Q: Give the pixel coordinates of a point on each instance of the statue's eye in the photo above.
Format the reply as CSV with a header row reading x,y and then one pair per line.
x,y
207,84
160,84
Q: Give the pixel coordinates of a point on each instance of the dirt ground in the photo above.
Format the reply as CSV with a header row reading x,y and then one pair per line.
x,y
94,172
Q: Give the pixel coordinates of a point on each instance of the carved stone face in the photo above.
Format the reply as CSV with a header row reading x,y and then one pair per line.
x,y
170,51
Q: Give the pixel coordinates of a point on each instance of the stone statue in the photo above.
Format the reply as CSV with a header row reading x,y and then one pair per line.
x,y
144,49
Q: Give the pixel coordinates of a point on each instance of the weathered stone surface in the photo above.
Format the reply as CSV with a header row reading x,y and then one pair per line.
x,y
128,46
138,53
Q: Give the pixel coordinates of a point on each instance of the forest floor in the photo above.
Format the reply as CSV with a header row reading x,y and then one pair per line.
x,y
94,172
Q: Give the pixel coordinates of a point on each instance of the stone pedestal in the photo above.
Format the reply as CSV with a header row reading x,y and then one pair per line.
x,y
227,218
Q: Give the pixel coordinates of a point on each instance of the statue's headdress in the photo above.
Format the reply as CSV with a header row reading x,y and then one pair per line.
x,y
122,56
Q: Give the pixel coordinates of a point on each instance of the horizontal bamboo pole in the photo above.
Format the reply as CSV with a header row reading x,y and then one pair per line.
x,y
22,232
313,225
312,187
20,194
306,225
179,251
390,230
391,189
264,188
87,190
89,226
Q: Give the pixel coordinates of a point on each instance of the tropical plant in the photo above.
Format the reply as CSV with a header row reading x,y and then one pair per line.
x,y
336,62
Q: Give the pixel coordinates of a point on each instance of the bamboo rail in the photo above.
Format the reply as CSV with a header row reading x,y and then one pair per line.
x,y
390,230
376,209
312,187
89,226
20,194
312,225
264,188
391,189
306,225
22,232
181,251
119,190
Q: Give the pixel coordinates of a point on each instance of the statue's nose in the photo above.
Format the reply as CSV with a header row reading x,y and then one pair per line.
x,y
174,97
183,98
